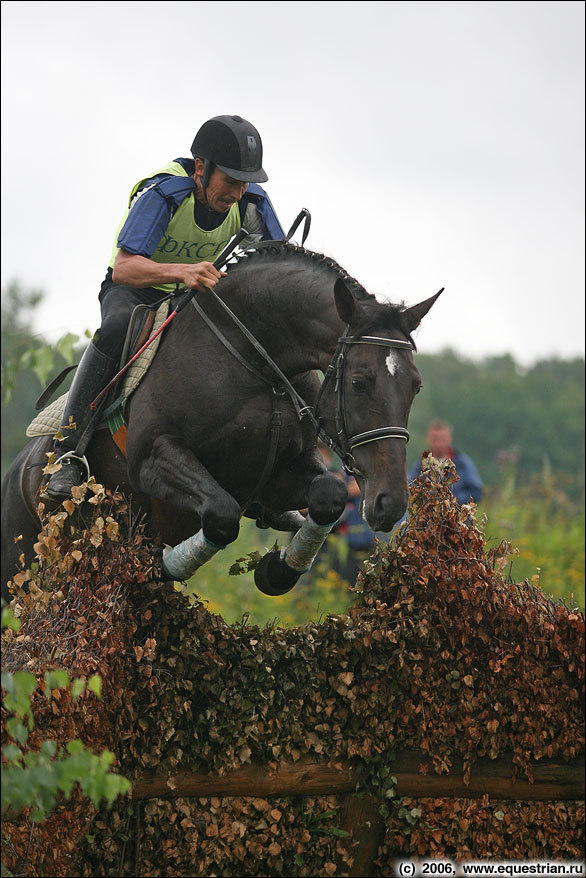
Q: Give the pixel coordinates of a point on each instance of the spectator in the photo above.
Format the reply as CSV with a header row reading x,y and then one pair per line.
x,y
439,441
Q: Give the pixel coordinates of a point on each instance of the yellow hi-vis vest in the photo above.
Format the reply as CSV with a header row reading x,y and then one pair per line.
x,y
183,240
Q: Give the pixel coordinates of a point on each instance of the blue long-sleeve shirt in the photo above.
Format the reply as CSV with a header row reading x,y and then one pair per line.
x,y
162,194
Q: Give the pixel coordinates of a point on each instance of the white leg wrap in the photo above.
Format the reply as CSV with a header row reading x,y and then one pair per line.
x,y
301,551
181,561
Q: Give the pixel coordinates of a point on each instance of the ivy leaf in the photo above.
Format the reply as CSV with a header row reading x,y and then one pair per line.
x,y
56,679
94,684
77,688
9,620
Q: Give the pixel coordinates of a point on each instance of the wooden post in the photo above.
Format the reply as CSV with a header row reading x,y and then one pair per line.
x,y
361,817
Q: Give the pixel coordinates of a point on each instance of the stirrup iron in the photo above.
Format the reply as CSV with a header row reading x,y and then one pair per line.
x,y
71,455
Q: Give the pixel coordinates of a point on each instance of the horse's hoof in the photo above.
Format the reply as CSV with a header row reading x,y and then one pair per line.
x,y
287,521
273,576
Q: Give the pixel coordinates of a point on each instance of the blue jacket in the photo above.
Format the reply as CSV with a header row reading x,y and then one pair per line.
x,y
150,215
469,487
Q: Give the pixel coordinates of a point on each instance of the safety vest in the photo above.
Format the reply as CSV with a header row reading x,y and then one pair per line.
x,y
183,240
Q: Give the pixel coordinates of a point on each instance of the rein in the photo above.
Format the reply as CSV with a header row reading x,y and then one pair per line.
x,y
299,404
344,445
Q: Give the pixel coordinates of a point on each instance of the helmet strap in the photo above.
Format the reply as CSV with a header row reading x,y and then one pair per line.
x,y
204,179
207,172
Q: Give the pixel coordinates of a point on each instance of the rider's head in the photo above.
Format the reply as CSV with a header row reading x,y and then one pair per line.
x,y
228,155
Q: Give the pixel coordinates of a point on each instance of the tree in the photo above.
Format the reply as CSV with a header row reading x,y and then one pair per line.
x,y
27,364
494,406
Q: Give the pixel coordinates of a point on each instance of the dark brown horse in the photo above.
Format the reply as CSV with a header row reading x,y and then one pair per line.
x,y
215,429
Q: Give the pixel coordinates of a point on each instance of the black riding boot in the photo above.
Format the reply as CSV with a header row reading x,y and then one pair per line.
x,y
93,373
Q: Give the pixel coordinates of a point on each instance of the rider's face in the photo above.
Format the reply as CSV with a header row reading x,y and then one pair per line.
x,y
439,441
221,192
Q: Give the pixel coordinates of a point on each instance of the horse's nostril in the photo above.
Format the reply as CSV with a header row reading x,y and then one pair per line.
x,y
388,509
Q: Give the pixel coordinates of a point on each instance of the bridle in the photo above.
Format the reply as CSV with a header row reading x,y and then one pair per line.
x,y
341,444
345,445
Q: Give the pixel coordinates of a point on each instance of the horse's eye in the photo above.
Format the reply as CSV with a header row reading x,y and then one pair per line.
x,y
359,385
419,389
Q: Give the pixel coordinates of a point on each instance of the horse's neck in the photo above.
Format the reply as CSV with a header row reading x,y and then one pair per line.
x,y
300,335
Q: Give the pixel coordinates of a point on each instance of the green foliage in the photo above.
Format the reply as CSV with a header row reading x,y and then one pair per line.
x,y
249,562
9,620
28,363
493,406
35,778
546,530
315,825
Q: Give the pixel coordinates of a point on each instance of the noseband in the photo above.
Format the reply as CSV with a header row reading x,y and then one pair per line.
x,y
346,445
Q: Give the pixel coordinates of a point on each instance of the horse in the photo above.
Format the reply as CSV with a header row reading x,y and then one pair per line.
x,y
225,421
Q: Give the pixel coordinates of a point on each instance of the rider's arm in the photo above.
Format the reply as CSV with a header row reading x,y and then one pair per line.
x,y
134,270
145,225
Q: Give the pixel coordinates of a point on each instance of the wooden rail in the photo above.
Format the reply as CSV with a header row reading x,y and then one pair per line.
x,y
553,779
360,817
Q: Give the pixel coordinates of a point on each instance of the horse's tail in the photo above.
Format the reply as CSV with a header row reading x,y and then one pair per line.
x,y
19,523
52,387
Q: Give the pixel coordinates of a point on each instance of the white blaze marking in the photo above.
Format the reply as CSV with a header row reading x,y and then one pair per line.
x,y
392,364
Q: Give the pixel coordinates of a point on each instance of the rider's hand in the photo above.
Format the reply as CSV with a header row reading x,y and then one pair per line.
x,y
201,275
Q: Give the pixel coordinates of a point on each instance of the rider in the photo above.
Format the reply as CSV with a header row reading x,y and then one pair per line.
x,y
177,222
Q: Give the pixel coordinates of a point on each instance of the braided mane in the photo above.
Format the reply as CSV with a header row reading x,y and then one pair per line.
x,y
284,249
374,313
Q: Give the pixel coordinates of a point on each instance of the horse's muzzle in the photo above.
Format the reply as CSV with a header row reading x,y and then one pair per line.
x,y
385,510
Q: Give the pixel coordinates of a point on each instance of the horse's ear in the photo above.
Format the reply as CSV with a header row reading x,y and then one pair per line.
x,y
412,317
346,305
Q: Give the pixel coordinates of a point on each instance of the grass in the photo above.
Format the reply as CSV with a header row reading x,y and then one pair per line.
x,y
546,529
314,597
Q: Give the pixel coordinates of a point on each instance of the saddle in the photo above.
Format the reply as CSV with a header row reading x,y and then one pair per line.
x,y
143,323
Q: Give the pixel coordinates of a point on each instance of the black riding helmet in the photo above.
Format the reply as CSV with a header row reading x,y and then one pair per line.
x,y
233,145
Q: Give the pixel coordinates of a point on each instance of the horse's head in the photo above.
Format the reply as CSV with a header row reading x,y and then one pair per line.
x,y
377,382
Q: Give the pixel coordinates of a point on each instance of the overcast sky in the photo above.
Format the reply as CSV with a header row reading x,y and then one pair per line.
x,y
435,144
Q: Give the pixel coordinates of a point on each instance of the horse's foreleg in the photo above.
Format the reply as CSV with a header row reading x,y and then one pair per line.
x,y
287,521
288,489
278,572
172,473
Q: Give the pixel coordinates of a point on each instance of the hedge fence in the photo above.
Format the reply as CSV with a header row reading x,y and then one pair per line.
x,y
442,717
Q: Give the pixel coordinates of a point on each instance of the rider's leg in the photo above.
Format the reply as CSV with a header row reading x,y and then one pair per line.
x,y
94,371
97,366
